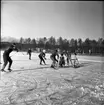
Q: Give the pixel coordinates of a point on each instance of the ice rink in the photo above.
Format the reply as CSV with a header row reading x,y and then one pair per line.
x,y
32,84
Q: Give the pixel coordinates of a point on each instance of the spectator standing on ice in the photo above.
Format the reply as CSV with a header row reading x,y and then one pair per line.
x,y
75,59
7,58
89,51
68,57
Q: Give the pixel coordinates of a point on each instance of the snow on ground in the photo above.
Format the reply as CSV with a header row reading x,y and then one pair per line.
x,y
32,84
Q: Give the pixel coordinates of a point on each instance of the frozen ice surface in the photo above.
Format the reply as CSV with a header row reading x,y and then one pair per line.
x,y
32,84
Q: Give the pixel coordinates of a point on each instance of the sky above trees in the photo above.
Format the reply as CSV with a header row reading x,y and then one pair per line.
x,y
68,19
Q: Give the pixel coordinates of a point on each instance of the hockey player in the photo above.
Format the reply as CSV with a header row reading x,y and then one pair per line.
x,y
7,58
53,58
42,57
29,52
62,61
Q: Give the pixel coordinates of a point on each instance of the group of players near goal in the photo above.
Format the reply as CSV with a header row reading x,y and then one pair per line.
x,y
57,58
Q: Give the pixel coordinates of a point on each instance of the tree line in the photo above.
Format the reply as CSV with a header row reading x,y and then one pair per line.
x,y
82,47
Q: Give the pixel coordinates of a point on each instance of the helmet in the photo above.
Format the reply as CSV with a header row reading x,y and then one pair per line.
x,y
44,51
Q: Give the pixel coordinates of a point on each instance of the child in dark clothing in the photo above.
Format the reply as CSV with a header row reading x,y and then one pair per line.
x,y
62,61
53,58
7,58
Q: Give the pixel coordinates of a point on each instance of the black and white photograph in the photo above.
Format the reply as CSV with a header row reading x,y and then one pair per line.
x,y
52,52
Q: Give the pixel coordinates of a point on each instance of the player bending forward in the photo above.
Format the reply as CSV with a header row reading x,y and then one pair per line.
x,y
7,58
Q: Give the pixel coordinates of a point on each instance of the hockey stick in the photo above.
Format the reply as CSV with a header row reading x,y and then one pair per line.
x,y
23,53
13,54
